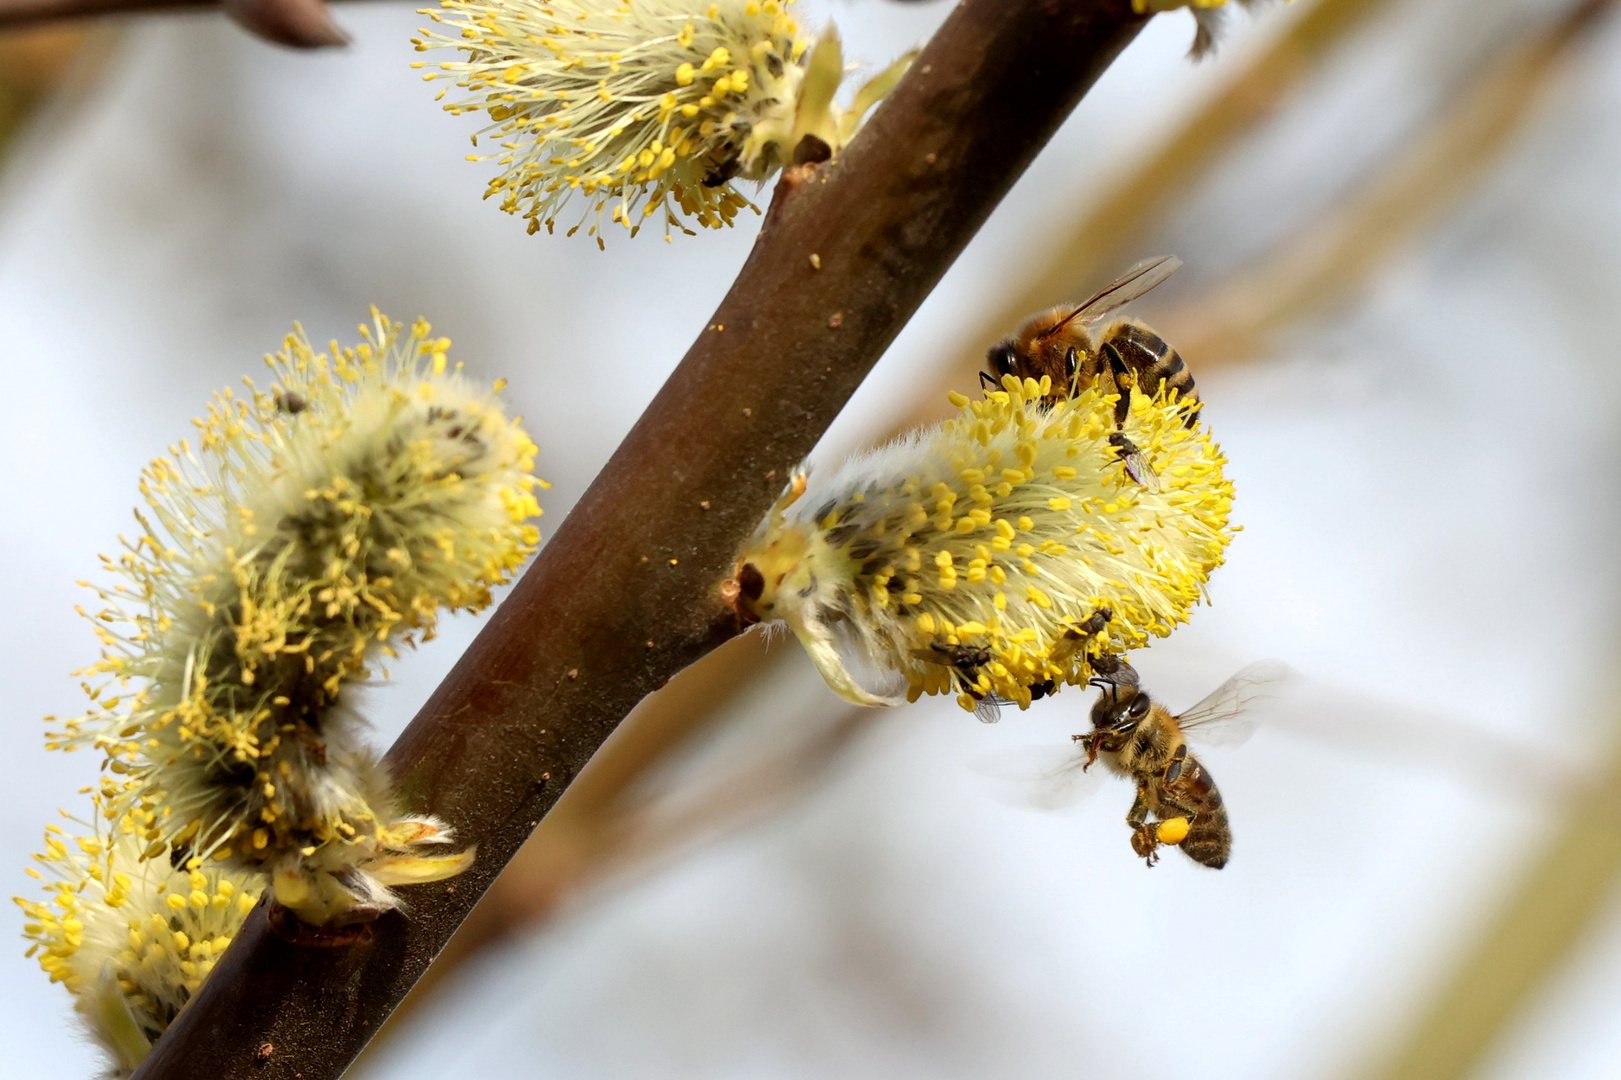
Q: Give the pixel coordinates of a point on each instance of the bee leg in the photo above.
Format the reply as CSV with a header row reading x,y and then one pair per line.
x,y
1092,741
1174,770
1144,841
1122,381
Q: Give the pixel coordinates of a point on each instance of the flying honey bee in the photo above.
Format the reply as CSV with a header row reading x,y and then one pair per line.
x,y
1177,803
1061,345
1177,799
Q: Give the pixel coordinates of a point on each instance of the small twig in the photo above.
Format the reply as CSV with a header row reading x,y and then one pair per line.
x,y
626,594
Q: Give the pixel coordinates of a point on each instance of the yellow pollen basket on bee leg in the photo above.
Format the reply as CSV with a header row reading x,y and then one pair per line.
x,y
1172,831
997,555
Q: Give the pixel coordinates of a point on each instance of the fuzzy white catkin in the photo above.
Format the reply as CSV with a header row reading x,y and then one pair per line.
x,y
131,939
1001,554
644,105
309,530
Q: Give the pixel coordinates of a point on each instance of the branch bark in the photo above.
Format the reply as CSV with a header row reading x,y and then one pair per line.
x,y
18,13
626,593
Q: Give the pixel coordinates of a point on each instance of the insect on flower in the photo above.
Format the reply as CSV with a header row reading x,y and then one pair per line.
x,y
1072,347
646,105
311,531
999,555
131,939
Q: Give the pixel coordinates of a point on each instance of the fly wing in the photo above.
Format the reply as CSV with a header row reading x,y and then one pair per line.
x,y
1045,778
1227,715
1146,275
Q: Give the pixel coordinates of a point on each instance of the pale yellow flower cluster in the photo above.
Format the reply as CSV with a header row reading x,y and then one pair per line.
x,y
1000,554
311,528
131,938
646,105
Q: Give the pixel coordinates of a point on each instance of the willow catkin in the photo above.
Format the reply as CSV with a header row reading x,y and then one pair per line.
x,y
311,529
999,554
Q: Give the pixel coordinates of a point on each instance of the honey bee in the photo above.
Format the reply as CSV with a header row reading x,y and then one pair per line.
x,y
1061,345
1177,800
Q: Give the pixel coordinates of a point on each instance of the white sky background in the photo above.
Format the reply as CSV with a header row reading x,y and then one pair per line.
x,y
1428,484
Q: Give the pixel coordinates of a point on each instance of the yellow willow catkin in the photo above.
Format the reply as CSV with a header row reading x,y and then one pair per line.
x,y
132,939
999,554
310,529
646,105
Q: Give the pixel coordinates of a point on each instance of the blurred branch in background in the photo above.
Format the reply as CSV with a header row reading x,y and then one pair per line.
x,y
299,23
33,63
1556,907
1342,249
1098,242
626,593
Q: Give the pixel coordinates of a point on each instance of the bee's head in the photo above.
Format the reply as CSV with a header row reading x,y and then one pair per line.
x,y
1123,704
1002,359
1121,707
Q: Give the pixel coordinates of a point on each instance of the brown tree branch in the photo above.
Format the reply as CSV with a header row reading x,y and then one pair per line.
x,y
18,13
625,594
564,851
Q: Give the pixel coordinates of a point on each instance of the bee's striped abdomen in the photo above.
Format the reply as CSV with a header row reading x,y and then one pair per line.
x,y
1151,360
1210,837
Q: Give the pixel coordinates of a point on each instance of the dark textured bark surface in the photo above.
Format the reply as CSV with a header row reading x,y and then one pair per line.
x,y
626,593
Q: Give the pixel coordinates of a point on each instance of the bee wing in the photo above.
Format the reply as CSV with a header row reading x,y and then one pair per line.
x,y
1044,778
1226,716
1146,275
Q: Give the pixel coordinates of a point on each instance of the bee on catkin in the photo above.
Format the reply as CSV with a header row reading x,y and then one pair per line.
x,y
999,555
648,107
312,530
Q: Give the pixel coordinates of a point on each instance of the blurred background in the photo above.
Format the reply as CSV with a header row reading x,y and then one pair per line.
x,y
1402,234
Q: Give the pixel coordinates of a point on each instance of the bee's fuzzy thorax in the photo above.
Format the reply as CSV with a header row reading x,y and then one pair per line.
x,y
131,939
979,554
648,106
310,530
